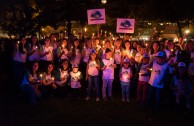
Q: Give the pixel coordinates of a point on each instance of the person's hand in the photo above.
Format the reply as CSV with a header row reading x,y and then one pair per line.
x,y
54,86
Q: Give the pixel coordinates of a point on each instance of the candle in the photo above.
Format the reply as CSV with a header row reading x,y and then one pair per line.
x,y
146,45
55,39
41,78
18,42
151,69
171,50
63,46
72,47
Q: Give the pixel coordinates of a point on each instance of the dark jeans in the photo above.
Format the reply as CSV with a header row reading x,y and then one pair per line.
x,y
154,92
93,81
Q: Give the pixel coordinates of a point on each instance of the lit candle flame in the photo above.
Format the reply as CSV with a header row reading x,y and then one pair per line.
x,y
63,46
53,78
171,50
41,75
18,42
151,69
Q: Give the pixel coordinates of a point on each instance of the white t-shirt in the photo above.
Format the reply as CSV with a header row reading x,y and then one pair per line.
x,y
48,57
92,70
138,57
64,56
75,77
157,74
125,74
117,56
143,70
20,57
87,54
35,56
64,74
77,58
108,72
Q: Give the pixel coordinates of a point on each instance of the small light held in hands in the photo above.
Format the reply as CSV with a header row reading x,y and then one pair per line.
x,y
151,69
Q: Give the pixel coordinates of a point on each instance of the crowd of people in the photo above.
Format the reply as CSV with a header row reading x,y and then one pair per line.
x,y
99,66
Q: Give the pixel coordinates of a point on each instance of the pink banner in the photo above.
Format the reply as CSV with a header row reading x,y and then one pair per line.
x,y
125,25
96,16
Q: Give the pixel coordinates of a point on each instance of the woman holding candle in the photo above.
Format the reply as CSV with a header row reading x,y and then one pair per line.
x,y
46,54
31,82
75,52
19,60
62,50
48,84
92,75
125,77
128,52
62,78
33,50
106,44
155,48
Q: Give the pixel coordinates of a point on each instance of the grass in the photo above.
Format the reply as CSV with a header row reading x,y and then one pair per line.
x,y
70,112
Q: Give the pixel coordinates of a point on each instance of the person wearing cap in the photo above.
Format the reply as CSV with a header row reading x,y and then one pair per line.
x,y
75,77
107,66
181,85
125,77
144,76
62,78
92,75
159,72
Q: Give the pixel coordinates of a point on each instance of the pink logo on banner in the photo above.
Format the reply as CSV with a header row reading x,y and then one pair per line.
x,y
96,16
125,25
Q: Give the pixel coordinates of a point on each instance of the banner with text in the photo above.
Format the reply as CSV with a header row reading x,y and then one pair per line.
x,y
96,16
125,25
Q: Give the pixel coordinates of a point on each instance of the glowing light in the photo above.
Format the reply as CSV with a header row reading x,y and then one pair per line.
x,y
103,1
63,46
187,31
18,42
151,69
53,78
85,29
171,50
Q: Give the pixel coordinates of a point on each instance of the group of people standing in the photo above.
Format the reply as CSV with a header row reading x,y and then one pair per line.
x,y
61,66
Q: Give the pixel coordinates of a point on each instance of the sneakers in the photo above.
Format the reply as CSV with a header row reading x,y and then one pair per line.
x,y
97,99
87,98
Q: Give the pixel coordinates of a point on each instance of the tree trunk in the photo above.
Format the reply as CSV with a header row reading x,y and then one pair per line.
x,y
68,27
